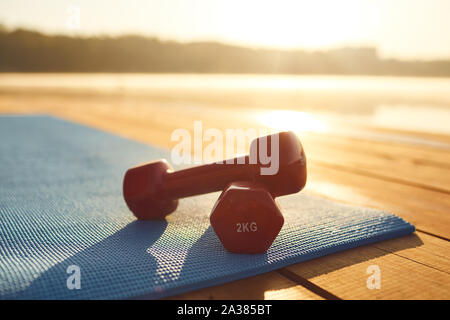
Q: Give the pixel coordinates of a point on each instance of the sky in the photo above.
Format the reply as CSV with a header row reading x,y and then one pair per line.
x,y
406,29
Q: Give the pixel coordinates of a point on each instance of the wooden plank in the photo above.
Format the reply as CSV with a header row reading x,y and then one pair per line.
x,y
270,285
428,210
421,248
345,273
405,165
426,135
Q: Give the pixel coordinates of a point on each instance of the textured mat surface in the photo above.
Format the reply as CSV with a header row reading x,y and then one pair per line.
x,y
61,205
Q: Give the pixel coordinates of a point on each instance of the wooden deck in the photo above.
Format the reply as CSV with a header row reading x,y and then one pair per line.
x,y
410,180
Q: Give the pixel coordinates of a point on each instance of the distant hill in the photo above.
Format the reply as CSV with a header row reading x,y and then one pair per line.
x,y
30,51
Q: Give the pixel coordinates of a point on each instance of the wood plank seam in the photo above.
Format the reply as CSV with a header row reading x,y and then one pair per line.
x,y
433,235
413,260
307,284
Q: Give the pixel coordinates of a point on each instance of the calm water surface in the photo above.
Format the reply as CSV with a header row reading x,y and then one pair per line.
x,y
414,104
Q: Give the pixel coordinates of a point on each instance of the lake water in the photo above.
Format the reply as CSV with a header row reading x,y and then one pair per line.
x,y
413,104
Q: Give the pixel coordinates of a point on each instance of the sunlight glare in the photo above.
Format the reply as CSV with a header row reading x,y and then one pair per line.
x,y
289,120
298,23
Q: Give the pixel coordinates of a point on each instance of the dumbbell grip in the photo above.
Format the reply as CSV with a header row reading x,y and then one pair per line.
x,y
206,178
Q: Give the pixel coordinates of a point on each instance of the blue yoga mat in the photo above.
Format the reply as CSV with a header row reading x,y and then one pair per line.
x,y
61,206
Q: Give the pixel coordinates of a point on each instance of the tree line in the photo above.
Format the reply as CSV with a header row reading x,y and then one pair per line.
x,y
30,51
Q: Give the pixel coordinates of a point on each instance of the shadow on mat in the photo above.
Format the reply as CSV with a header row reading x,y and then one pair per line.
x,y
103,265
208,257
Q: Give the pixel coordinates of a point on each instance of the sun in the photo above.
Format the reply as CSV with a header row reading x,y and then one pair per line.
x,y
297,24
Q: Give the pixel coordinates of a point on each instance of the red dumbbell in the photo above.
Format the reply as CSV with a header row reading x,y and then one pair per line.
x,y
152,190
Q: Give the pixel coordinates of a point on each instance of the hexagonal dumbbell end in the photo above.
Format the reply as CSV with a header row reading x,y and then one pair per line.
x,y
246,218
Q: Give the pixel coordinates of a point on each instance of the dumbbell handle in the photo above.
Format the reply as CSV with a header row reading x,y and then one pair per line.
x,y
207,178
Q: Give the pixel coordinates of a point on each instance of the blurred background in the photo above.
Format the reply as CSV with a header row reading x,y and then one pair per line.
x,y
377,70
